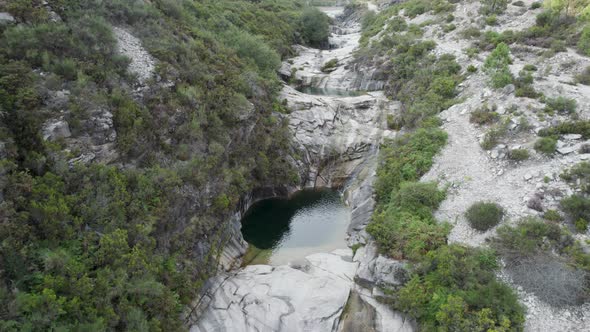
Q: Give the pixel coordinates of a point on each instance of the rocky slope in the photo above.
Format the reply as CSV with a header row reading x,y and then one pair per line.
x,y
474,174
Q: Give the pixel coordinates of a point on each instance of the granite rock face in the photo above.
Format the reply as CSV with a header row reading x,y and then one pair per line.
x,y
266,298
336,134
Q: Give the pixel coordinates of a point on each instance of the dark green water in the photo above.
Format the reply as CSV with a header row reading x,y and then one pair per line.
x,y
280,231
330,92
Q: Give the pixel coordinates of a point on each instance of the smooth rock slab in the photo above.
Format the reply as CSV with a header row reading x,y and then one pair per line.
x,y
266,298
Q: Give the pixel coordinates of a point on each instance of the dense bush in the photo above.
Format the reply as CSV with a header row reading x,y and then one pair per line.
x,y
496,65
524,84
584,42
484,215
455,289
315,27
561,104
500,57
581,225
404,235
330,65
552,215
518,154
406,159
577,207
546,145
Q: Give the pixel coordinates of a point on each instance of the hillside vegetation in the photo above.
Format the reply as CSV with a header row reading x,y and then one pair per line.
x,y
115,223
455,287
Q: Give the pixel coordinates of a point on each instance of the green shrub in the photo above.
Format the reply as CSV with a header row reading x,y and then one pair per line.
x,y
405,235
518,3
536,5
518,154
584,42
552,215
492,136
523,84
254,49
471,69
499,58
416,7
581,127
561,104
484,215
558,46
407,158
525,238
578,176
546,145
496,65
483,116
581,225
529,67
471,32
418,197
492,20
577,207
330,65
501,78
450,291
449,27
315,27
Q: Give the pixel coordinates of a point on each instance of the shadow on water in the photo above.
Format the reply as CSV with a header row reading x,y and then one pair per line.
x,y
283,230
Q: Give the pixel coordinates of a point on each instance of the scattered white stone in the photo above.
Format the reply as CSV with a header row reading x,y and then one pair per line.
x,y
142,63
572,137
6,18
528,176
566,150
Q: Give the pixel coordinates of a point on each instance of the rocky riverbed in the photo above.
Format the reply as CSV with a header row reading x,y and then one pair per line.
x,y
337,137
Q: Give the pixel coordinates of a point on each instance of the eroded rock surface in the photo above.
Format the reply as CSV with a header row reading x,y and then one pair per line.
x,y
265,298
335,134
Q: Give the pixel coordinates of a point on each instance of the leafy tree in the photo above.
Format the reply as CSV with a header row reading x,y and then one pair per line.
x,y
315,27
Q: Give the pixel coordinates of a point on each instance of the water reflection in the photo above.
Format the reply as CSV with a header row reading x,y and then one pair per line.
x,y
283,230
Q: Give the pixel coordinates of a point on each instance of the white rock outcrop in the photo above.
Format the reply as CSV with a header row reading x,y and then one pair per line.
x,y
283,298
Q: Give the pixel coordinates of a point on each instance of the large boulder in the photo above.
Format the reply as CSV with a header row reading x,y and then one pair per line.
x,y
378,270
266,298
55,129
